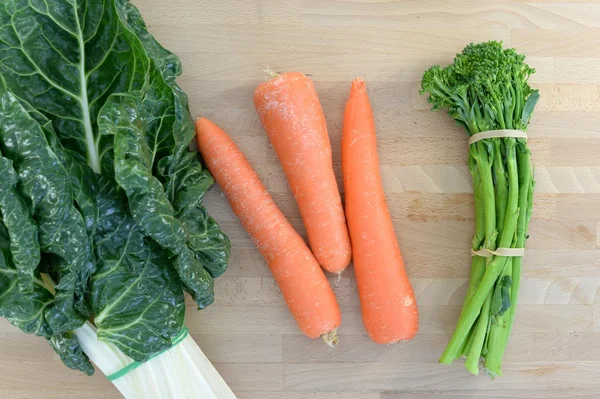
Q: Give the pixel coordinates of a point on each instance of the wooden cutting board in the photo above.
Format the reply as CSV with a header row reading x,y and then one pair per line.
x,y
248,334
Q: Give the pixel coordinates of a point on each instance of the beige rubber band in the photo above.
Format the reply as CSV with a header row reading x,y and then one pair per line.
x,y
490,134
509,252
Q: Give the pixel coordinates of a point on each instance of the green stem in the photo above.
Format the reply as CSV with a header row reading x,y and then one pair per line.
x,y
484,328
479,235
487,191
509,107
472,306
501,184
521,238
518,112
497,265
502,194
515,214
477,262
477,272
514,293
512,204
468,342
493,362
500,114
472,362
499,331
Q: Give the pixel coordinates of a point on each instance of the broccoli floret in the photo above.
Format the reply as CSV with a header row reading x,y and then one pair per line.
x,y
484,89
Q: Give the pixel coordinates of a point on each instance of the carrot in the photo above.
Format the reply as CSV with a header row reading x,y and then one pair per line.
x,y
387,300
290,111
301,281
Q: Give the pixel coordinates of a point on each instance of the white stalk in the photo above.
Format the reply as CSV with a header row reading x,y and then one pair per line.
x,y
181,372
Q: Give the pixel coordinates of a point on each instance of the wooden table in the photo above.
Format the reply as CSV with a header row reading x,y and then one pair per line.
x,y
249,335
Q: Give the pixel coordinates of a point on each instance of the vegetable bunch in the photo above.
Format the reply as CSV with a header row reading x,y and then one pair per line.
x,y
486,89
101,214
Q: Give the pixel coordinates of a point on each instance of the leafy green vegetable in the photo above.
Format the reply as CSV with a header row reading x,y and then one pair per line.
x,y
101,213
205,237
45,185
148,201
20,226
70,352
64,58
138,299
26,310
486,89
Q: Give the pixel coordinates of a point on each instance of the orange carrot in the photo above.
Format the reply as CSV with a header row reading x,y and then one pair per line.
x,y
387,300
290,111
302,282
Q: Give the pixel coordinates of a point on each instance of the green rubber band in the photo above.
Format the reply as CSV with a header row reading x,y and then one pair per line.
x,y
134,365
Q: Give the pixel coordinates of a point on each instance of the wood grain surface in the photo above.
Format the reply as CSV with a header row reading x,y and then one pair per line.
x,y
554,351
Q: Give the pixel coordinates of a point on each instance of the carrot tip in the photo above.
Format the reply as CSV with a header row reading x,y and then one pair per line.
x,y
331,338
270,72
358,84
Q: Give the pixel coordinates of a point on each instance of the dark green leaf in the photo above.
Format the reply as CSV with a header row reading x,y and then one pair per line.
x,y
89,76
137,298
23,233
84,186
25,310
125,118
185,188
45,184
65,57
68,348
212,247
185,181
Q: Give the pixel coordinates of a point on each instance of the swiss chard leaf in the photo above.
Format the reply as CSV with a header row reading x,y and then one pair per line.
x,y
125,116
65,57
184,179
132,217
24,246
25,310
45,184
185,183
137,298
211,245
68,348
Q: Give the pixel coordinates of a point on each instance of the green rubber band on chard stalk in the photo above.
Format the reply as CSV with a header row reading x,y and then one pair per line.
x,y
134,365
